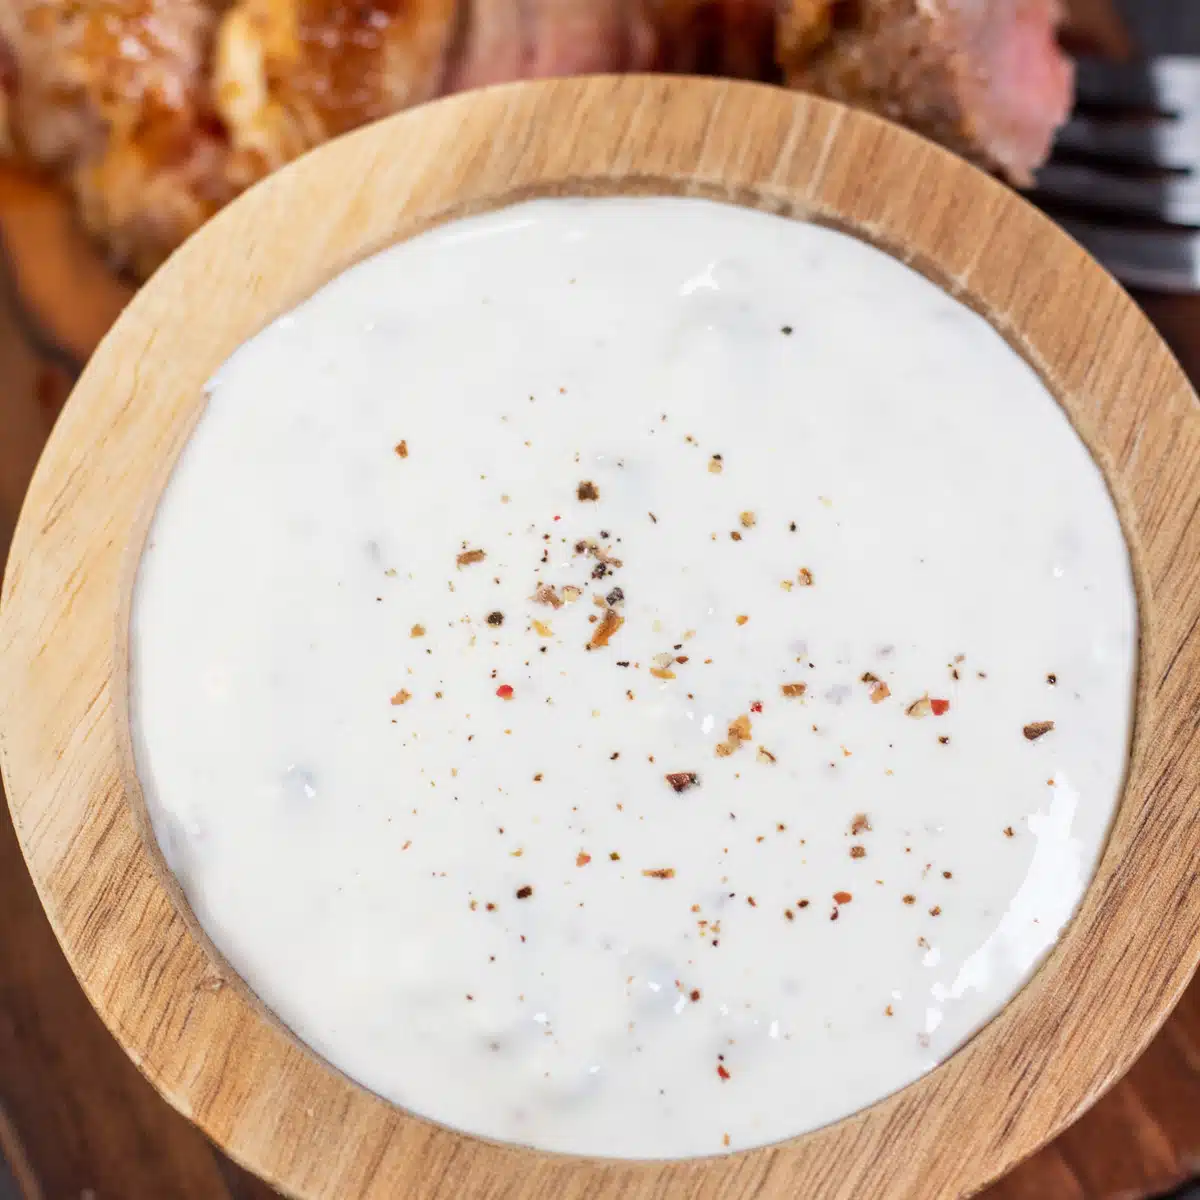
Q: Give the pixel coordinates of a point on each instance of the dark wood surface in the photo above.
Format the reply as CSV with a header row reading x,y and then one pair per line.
x,y
78,1121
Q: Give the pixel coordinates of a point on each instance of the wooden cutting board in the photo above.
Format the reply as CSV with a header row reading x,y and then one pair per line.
x,y
75,1116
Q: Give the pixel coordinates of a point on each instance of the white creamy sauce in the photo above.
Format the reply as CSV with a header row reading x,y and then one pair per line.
x,y
815,468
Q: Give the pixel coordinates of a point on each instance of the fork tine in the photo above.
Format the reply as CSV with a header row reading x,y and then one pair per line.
x,y
1176,200
1160,260
1174,145
1168,84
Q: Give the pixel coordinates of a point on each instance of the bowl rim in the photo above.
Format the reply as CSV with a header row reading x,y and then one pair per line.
x,y
179,1010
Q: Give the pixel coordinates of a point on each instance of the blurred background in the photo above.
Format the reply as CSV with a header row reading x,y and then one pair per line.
x,y
77,1120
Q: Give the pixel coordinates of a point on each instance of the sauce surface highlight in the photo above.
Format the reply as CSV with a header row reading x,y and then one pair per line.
x,y
633,677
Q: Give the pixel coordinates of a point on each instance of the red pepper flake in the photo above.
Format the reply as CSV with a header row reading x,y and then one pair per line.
x,y
586,490
756,707
694,996
936,911
523,893
787,912
582,859
490,906
1037,729
842,897
402,449
750,900
947,874
724,1074
504,691
680,781
801,903
940,707
467,557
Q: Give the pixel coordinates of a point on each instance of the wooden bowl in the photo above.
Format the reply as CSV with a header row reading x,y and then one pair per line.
x,y
178,1009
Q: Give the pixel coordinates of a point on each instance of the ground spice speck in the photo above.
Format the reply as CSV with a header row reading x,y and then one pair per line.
x,y
682,781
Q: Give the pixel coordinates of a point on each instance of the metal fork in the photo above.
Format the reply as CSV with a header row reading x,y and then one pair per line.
x,y
1124,179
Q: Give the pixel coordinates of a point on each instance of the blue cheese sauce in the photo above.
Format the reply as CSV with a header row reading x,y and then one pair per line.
x,y
633,677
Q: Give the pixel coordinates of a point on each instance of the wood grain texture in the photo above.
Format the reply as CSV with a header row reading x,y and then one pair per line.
x,y
175,1006
60,1077
75,1115
65,286
1096,27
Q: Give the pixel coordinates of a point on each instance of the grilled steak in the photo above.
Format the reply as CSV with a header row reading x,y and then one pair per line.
x,y
157,112
984,77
